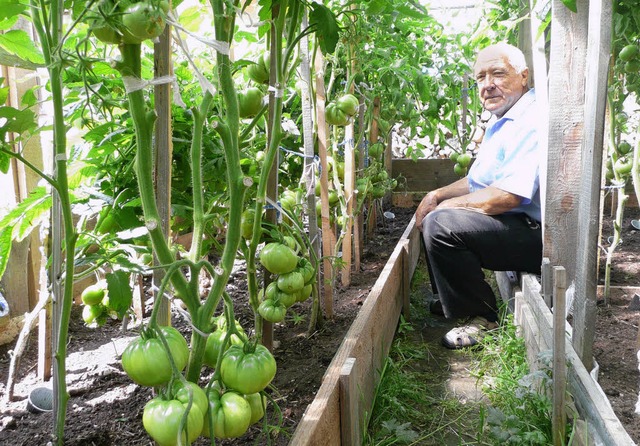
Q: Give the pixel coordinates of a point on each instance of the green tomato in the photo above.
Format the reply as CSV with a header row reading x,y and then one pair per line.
x,y
628,53
305,293
291,243
633,66
459,169
162,418
375,150
215,341
199,398
229,414
144,20
258,403
624,148
91,313
247,369
623,166
335,116
259,71
307,270
333,197
106,34
146,361
454,156
272,310
278,258
93,294
464,159
249,102
348,104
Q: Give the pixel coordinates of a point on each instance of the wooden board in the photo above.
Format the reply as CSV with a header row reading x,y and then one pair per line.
x,y
368,341
536,322
422,175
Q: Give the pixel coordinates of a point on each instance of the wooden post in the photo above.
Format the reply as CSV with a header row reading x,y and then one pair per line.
x,y
163,154
598,50
547,282
358,228
566,121
559,418
349,407
327,242
349,186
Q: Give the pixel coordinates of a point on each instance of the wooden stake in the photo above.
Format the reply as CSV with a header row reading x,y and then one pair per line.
x,y
349,407
327,233
559,418
406,280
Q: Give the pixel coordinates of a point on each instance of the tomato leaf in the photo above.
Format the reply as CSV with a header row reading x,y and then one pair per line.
x,y
571,4
120,294
327,28
17,50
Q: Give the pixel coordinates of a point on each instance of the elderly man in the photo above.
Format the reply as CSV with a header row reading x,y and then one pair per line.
x,y
491,218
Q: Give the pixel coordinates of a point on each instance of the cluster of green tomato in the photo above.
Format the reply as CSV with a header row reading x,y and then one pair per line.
x,y
97,308
340,111
294,277
128,22
621,164
227,407
462,162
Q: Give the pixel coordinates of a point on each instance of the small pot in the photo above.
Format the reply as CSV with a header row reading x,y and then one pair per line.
x,y
40,400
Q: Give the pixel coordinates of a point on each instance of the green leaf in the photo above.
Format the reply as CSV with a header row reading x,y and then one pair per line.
x,y
5,162
17,50
327,28
120,293
27,215
5,249
11,8
571,4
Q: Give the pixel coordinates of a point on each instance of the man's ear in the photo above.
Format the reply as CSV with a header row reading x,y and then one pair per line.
x,y
525,77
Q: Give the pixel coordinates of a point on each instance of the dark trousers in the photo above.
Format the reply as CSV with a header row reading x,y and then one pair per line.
x,y
460,243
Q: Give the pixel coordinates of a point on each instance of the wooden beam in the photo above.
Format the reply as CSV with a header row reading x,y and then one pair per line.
x,y
588,222
566,121
350,412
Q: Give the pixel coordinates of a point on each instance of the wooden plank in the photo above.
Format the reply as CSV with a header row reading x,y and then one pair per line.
x,y
586,278
349,407
559,417
590,400
368,340
547,290
423,175
566,120
406,281
349,186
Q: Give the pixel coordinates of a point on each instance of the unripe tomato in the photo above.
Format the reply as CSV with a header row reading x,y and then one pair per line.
x,y
290,282
259,72
633,66
106,34
216,339
144,20
272,310
246,223
307,270
249,102
258,404
628,52
229,413
459,169
91,313
180,391
278,258
464,159
248,369
335,116
454,156
348,104
162,418
93,294
623,166
304,293
146,361
624,147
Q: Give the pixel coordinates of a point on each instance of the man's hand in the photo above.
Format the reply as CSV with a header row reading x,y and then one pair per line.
x,y
428,204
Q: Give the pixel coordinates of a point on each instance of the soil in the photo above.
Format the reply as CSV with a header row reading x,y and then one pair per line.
x,y
105,407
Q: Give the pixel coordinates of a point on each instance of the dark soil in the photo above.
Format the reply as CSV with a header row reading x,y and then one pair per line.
x,y
617,336
106,407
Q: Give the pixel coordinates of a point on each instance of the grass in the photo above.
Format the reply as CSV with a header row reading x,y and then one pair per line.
x,y
414,406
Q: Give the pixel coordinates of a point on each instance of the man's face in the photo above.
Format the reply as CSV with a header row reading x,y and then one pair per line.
x,y
500,86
